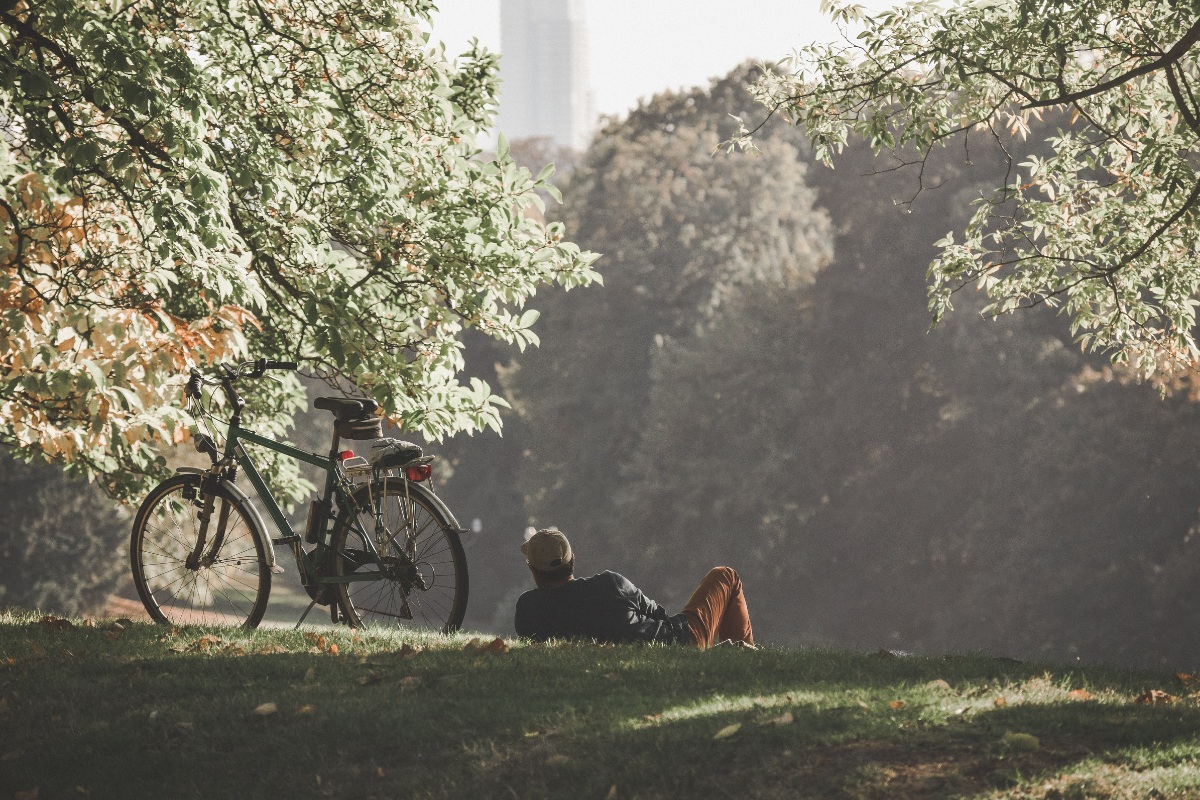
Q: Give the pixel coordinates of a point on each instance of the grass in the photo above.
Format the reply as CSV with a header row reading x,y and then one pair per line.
x,y
85,712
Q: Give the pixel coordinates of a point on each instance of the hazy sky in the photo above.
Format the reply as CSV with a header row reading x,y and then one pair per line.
x,y
639,48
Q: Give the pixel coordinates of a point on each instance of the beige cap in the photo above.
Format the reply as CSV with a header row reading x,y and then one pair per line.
x,y
547,550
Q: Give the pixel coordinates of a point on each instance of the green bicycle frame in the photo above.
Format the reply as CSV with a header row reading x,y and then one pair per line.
x,y
307,563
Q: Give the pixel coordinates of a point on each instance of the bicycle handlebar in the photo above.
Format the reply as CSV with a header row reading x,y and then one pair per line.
x,y
249,369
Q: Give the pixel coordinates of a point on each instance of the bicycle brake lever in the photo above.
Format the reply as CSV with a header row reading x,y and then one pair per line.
x,y
273,378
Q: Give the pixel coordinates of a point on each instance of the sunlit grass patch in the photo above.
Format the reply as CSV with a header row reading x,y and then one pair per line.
x,y
147,711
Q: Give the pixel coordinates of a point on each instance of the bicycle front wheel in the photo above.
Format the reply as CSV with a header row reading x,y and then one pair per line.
x,y
225,582
420,579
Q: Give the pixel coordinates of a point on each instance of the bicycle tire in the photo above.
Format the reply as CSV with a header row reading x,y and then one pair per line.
x,y
437,558
232,589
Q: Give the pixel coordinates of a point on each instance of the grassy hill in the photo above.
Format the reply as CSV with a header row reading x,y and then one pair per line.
x,y
156,712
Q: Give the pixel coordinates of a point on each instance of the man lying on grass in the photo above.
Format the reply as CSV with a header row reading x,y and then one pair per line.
x,y
608,608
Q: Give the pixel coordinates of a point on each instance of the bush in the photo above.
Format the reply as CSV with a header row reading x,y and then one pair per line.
x,y
63,546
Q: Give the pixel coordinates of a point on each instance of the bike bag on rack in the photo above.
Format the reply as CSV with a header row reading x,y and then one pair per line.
x,y
390,453
360,429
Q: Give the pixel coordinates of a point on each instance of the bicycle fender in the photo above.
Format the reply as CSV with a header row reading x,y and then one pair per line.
x,y
256,520
425,494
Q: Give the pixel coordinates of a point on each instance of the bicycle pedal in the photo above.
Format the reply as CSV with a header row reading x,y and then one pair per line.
x,y
277,569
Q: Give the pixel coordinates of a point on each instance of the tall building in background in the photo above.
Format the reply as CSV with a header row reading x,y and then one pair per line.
x,y
544,67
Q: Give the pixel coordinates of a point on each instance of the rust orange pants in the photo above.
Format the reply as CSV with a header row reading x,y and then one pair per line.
x,y
717,610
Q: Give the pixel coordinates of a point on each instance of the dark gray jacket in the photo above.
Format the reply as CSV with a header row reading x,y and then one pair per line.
x,y
604,607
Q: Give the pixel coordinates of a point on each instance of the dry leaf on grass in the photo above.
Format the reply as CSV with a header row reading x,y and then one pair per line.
x,y
495,646
408,651
612,793
305,709
187,727
881,653
897,704
272,649
1189,681
785,719
55,623
727,731
379,773
266,709
29,795
999,702
653,717
559,759
372,677
37,649
410,682
4,705
1079,694
864,705
1154,697
310,675
938,684
471,645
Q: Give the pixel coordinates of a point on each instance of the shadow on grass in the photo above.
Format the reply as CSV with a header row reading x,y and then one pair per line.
x,y
132,719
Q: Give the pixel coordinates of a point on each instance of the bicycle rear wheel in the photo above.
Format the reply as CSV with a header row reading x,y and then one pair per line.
x,y
226,583
422,582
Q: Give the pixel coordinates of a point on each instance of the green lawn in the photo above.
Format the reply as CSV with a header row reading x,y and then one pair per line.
x,y
87,713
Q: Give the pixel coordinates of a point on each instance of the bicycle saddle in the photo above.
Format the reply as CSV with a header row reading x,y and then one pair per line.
x,y
345,409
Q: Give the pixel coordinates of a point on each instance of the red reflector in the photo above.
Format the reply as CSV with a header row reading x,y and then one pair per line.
x,y
419,472
342,456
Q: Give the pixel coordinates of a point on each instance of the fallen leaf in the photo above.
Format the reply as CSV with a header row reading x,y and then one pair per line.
x,y
116,633
496,646
559,759
311,675
612,676
864,705
373,677
233,650
999,702
12,755
37,649
89,623
728,730
333,651
1189,681
653,717
785,719
533,733
8,662
565,646
178,649
3,705
305,709
881,653
612,793
272,649
410,681
1154,697
471,645
379,773
186,726
897,704
265,709
938,684
55,623
29,795
408,651
1079,694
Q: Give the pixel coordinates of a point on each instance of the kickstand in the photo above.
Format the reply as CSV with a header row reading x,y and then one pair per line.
x,y
305,614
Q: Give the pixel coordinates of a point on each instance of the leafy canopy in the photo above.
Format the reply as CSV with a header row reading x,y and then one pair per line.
x,y
1104,219
192,180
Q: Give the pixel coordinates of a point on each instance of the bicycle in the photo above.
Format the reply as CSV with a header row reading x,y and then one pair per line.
x,y
390,552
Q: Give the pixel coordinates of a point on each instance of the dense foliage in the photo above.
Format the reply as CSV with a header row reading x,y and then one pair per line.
x,y
62,542
187,181
1106,221
980,486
